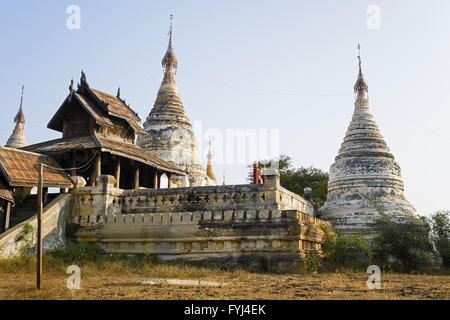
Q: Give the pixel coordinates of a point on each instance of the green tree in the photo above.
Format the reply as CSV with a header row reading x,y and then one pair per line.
x,y
297,179
405,246
440,234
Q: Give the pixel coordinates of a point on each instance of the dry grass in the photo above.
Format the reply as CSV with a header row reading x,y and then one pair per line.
x,y
116,280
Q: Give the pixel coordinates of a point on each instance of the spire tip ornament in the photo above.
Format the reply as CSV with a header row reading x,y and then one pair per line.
x,y
169,61
360,85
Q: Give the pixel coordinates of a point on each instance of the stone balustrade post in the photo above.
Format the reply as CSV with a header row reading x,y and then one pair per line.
x,y
94,203
271,177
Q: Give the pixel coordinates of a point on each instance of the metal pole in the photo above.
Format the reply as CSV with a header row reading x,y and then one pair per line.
x,y
39,226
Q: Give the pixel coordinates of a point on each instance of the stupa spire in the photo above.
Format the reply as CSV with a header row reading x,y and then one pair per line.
x,y
169,61
361,87
209,168
17,138
168,106
169,130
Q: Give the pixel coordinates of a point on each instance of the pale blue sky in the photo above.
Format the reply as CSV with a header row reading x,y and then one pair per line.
x,y
287,65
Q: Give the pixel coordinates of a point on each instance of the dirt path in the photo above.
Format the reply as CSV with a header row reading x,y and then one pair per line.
x,y
242,286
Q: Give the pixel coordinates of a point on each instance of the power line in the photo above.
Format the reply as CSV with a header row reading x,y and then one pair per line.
x,y
223,84
411,121
78,168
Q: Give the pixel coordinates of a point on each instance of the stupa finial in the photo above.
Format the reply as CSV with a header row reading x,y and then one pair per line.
x,y
170,31
169,61
20,118
360,84
17,138
209,149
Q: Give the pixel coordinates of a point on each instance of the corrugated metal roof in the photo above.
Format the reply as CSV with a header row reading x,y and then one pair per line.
x,y
114,146
21,169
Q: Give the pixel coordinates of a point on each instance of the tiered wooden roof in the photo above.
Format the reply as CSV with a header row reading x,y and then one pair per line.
x,y
99,105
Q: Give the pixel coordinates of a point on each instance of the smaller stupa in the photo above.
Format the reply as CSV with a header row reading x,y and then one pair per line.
x,y
209,168
17,138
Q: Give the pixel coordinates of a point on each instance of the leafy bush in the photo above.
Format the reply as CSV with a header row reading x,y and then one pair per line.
x,y
344,251
402,246
440,230
81,251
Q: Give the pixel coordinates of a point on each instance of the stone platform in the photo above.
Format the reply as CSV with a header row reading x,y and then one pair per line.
x,y
227,224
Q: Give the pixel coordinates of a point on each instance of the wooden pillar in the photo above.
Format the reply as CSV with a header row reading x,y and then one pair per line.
x,y
97,168
159,180
155,179
45,196
74,164
118,173
169,184
39,227
136,175
62,190
8,215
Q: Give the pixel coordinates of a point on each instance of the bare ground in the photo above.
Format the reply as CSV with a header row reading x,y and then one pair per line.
x,y
17,281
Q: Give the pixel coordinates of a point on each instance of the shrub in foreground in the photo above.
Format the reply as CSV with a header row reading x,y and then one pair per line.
x,y
344,251
402,246
440,228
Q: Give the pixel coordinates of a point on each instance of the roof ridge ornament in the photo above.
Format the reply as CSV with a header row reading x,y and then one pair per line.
x,y
83,83
360,84
71,86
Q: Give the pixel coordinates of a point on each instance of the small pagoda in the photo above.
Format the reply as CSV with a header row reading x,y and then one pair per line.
x,y
17,138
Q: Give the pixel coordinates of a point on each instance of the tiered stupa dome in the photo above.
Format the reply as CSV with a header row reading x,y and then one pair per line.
x,y
169,130
364,179
17,138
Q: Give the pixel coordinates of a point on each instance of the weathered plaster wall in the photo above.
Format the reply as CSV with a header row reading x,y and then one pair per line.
x,y
55,217
215,223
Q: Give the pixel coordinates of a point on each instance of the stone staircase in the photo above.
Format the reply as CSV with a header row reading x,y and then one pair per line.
x,y
28,208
